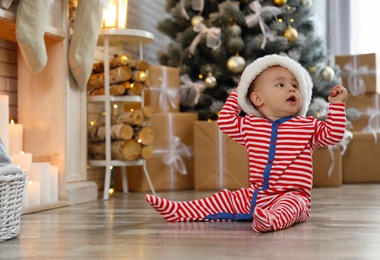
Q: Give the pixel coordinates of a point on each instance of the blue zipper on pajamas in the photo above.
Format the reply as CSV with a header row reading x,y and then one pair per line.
x,y
266,175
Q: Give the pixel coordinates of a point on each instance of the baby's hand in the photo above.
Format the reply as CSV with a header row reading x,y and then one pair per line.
x,y
338,94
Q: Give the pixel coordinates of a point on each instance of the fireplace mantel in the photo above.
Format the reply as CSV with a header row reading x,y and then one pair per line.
x,y
52,109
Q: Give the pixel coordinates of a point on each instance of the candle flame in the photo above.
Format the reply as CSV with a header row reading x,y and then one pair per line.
x,y
12,122
22,152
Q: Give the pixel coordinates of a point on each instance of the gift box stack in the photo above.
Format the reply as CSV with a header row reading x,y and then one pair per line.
x,y
360,75
171,167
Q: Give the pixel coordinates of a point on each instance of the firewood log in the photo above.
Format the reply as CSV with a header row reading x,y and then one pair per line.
x,y
139,75
148,112
135,88
126,150
115,89
145,135
117,75
117,61
134,117
138,64
97,151
147,152
118,132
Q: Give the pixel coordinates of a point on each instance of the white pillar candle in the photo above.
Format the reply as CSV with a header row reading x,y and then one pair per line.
x,y
53,184
4,119
40,171
34,193
23,160
15,137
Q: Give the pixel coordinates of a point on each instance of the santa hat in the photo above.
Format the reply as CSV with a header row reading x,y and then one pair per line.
x,y
253,70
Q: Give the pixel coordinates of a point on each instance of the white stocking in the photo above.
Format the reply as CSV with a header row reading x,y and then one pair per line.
x,y
31,20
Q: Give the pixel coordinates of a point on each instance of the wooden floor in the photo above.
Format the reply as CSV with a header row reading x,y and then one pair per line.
x,y
345,224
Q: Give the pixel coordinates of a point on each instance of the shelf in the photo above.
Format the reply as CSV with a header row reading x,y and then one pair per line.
x,y
116,163
126,37
102,98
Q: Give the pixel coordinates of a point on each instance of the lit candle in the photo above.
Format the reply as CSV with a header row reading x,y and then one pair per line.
x,y
40,171
4,119
23,160
34,193
15,137
53,184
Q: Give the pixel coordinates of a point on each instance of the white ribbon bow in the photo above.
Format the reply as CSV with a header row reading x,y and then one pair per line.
x,y
253,19
173,157
212,37
356,83
197,5
166,95
197,86
374,119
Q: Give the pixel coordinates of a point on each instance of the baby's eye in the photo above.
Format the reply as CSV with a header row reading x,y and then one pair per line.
x,y
295,86
280,85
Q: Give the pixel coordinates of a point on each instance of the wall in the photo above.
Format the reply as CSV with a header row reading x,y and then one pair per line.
x,y
144,18
8,75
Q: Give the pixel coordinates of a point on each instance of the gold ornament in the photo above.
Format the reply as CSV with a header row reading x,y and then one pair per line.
x,y
280,2
291,34
312,69
210,81
236,64
196,20
327,73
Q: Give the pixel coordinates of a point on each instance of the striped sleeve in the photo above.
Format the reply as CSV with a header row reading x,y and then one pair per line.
x,y
331,131
229,120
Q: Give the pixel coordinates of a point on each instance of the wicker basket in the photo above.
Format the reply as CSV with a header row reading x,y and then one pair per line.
x,y
11,193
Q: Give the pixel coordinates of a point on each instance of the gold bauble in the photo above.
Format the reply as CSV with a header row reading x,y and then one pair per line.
x,y
236,64
210,81
291,34
196,20
280,2
327,73
312,69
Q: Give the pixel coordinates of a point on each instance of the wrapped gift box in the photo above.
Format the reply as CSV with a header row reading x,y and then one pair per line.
x,y
327,167
163,94
219,162
171,167
361,162
359,72
368,105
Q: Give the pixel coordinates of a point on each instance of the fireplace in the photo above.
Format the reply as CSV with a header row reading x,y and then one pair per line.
x,y
51,109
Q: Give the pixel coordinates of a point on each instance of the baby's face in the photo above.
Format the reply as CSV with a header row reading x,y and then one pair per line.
x,y
278,93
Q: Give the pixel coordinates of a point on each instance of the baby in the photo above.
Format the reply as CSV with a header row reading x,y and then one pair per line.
x,y
274,92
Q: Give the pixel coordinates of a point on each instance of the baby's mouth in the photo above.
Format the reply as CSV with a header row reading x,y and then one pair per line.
x,y
292,99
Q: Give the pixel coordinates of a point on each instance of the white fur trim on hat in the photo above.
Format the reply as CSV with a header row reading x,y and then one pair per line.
x,y
259,65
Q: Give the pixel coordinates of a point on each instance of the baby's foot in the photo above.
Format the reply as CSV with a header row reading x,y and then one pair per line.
x,y
262,221
166,208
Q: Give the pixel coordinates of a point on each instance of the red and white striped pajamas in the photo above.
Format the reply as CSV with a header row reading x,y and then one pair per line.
x,y
280,163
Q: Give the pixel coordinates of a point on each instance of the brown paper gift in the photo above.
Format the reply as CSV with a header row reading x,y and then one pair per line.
x,y
172,166
359,73
361,161
369,108
163,94
219,162
327,167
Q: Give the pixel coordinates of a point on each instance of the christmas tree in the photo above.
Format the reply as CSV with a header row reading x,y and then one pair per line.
x,y
213,41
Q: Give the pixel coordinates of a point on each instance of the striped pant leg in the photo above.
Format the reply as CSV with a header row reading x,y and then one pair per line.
x,y
224,201
284,212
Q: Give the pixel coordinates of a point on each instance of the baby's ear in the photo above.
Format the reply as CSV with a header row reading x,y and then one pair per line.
x,y
256,99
